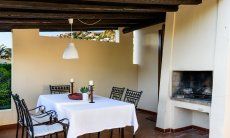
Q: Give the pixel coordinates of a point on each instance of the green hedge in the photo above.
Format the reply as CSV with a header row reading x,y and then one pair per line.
x,y
5,86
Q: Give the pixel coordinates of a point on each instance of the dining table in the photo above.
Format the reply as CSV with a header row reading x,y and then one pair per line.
x,y
85,117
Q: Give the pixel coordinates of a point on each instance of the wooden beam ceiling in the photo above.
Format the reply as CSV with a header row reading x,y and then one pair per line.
x,y
49,15
26,5
52,15
157,2
162,2
134,27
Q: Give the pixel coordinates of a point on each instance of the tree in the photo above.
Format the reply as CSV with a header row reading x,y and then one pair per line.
x,y
2,50
8,53
5,53
106,35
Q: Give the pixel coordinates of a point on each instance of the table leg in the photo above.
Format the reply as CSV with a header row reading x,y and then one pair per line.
x,y
98,134
133,133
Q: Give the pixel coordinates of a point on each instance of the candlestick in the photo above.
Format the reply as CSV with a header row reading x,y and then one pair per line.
x,y
71,85
91,93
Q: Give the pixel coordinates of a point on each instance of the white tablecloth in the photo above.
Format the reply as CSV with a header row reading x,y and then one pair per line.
x,y
88,117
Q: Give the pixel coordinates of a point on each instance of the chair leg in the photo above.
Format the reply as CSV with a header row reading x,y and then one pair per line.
x,y
27,135
122,133
65,136
98,134
111,133
23,131
17,130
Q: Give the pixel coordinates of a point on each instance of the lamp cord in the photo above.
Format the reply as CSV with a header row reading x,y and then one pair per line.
x,y
89,23
71,39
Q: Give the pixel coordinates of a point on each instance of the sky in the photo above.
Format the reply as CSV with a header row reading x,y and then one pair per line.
x,y
6,39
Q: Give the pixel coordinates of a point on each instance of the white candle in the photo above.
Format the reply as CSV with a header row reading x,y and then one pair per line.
x,y
91,82
71,80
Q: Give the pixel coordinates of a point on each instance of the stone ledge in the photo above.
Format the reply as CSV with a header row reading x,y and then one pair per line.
x,y
195,101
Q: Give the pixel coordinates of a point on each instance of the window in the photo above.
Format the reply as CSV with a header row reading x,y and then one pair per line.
x,y
5,69
103,35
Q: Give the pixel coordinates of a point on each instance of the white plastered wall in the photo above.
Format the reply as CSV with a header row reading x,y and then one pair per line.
x,y
37,63
146,44
189,45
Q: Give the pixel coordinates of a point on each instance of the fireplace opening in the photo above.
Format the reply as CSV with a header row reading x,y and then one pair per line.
x,y
196,85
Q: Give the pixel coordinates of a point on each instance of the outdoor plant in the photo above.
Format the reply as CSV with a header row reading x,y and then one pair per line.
x,y
5,86
107,35
84,89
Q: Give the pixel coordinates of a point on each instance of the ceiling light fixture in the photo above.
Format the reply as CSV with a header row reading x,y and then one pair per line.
x,y
70,51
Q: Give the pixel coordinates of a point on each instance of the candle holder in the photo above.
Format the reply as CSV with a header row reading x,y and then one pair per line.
x,y
91,93
71,87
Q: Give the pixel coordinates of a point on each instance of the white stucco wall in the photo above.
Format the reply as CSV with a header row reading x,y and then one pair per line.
x,y
189,45
146,43
38,63
194,37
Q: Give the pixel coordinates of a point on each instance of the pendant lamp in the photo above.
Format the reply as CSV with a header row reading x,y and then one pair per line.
x,y
70,51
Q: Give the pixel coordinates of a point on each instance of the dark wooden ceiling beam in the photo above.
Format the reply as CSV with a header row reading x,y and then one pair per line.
x,y
8,29
143,25
159,2
59,26
44,15
35,6
56,28
65,22
47,26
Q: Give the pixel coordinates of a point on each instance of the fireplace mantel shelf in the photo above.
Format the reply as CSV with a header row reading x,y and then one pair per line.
x,y
191,104
195,101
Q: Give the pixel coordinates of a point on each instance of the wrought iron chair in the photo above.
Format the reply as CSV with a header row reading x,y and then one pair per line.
x,y
133,97
41,117
117,93
34,131
59,89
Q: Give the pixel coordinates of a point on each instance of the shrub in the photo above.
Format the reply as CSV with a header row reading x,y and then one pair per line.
x,y
5,86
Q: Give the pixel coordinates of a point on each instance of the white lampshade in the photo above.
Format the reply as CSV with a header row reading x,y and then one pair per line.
x,y
70,52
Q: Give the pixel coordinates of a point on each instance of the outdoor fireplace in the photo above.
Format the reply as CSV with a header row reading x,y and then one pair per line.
x,y
194,85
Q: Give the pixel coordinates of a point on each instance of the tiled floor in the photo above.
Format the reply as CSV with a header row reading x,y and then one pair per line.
x,y
146,130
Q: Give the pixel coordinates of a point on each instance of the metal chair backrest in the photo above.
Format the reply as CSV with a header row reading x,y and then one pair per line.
x,y
29,122
117,93
58,89
20,115
133,97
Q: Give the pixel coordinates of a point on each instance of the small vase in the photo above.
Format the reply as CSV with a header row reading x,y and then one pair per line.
x,y
85,96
